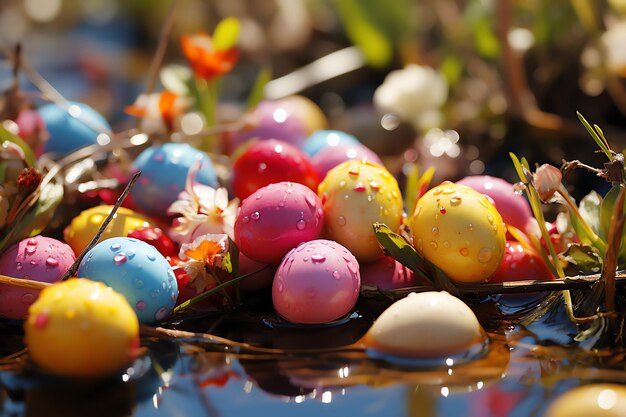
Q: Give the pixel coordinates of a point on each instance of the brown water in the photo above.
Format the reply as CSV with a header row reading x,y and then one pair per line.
x,y
526,366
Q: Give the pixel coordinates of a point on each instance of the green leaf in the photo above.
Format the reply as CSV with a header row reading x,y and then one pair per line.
x,y
451,68
29,155
486,42
226,34
233,252
589,209
599,141
37,217
584,257
176,78
256,94
399,249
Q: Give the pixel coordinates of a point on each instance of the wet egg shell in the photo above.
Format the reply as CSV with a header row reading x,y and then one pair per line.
x,y
81,328
164,170
519,264
83,228
513,207
136,270
275,219
323,139
316,282
71,127
426,325
268,162
597,400
330,157
36,258
355,195
460,231
387,274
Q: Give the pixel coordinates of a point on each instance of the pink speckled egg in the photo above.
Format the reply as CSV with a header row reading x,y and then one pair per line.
x,y
330,157
317,282
275,219
513,208
37,258
387,274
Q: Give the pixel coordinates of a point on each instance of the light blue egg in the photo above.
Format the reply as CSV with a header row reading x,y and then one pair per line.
x,y
71,128
136,270
321,139
164,170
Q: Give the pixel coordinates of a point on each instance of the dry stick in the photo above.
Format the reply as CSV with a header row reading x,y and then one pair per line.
x,y
72,270
25,283
614,241
162,46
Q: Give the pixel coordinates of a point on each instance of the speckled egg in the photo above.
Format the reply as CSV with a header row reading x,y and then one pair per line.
x,y
268,162
36,258
387,274
81,328
513,207
460,231
71,128
137,271
355,195
426,325
275,219
316,282
323,139
330,157
597,400
84,227
164,169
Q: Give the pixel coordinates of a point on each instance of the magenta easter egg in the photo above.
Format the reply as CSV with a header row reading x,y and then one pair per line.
x,y
316,282
329,157
37,258
387,274
513,208
275,219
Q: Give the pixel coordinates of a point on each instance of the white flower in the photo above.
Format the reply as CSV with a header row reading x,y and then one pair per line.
x,y
204,210
415,93
160,113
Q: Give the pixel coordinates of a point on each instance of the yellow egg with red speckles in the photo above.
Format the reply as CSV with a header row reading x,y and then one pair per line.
x,y
81,328
355,195
84,227
460,231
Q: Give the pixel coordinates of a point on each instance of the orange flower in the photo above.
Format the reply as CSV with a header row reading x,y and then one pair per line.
x,y
206,61
160,112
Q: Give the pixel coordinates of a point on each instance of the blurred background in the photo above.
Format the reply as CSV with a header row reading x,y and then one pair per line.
x,y
491,77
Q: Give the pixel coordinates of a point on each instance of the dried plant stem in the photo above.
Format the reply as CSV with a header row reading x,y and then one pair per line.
x,y
615,240
155,64
24,283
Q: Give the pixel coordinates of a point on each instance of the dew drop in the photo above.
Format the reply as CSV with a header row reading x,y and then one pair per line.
x,y
120,258
437,191
255,216
359,187
470,227
301,225
280,285
318,258
115,247
442,210
138,283
33,263
433,245
30,249
354,172
28,299
259,196
246,219
435,231
155,293
150,256
31,242
341,221
342,184
336,274
490,218
374,185
353,267
464,251
140,305
50,261
455,201
446,243
420,244
305,259
448,190
485,255
19,266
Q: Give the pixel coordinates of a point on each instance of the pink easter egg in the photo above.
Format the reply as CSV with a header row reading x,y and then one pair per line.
x,y
387,274
330,157
513,208
37,258
275,219
316,282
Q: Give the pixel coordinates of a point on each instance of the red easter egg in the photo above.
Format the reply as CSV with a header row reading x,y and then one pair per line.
x,y
271,161
519,264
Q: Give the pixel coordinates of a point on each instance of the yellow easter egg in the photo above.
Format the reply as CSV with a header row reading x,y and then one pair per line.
x,y
84,227
597,400
81,328
460,231
355,195
312,116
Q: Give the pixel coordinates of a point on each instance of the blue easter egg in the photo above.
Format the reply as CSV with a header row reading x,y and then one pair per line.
x,y
71,128
324,138
164,170
136,270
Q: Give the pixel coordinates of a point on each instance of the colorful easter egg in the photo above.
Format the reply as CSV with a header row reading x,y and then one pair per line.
x,y
36,258
71,127
316,282
323,139
520,263
81,328
330,157
275,219
164,170
387,274
597,400
355,195
460,231
84,227
136,270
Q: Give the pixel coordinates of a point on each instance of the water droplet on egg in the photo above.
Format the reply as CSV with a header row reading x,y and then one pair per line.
x,y
318,258
120,258
433,245
420,244
246,219
354,172
155,293
19,266
435,231
305,259
115,247
138,283
336,274
359,187
448,190
455,201
50,261
442,210
353,267
341,221
33,263
30,249
490,218
446,243
437,191
140,305
31,242
255,216
150,256
470,227
464,251
374,185
301,225
485,255
28,299
280,285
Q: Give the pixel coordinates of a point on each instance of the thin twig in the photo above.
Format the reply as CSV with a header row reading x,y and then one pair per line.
x,y
72,270
24,283
157,58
